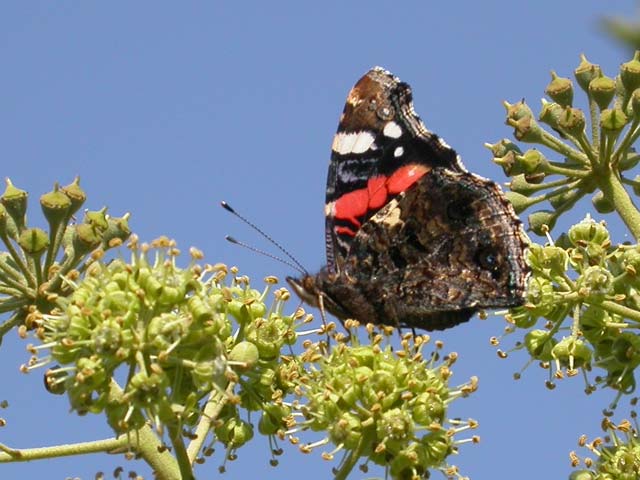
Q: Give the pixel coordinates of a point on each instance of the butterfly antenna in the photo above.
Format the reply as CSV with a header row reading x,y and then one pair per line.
x,y
296,265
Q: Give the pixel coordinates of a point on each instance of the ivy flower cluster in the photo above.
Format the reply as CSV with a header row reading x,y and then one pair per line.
x,y
382,406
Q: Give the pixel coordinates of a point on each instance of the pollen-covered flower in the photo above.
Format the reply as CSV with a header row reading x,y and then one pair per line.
x,y
380,405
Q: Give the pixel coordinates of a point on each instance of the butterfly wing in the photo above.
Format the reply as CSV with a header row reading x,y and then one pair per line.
x,y
380,150
434,255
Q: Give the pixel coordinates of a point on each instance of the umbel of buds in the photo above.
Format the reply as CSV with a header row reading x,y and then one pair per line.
x,y
592,152
36,263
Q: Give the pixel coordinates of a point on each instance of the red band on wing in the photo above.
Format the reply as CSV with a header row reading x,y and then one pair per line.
x,y
375,195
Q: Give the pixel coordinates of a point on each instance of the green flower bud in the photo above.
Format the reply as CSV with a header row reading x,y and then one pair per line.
x,y
602,90
394,427
520,202
586,72
587,231
436,445
504,146
540,292
571,353
542,221
554,259
612,121
517,111
15,202
560,90
550,114
629,160
596,282
539,344
346,430
245,353
522,318
532,161
601,203
581,475
97,219
33,241
273,418
519,184
630,73
75,194
428,408
626,349
268,337
85,239
572,122
55,206
117,231
407,461
526,129
509,164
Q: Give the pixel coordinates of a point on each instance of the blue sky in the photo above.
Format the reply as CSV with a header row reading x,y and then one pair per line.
x,y
166,108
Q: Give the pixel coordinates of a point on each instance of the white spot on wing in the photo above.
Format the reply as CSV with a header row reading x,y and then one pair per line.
x,y
363,142
392,130
356,142
398,152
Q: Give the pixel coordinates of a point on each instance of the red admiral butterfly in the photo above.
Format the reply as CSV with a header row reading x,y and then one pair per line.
x,y
413,239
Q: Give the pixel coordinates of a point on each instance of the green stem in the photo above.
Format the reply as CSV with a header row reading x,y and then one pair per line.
x,y
614,307
149,446
562,148
8,454
613,190
177,441
594,112
583,142
11,304
9,324
18,260
628,140
567,172
212,409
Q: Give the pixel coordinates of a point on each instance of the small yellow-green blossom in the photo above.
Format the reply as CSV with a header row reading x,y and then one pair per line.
x,y
380,405
617,457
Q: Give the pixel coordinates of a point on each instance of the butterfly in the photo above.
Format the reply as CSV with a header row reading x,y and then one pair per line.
x,y
413,239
